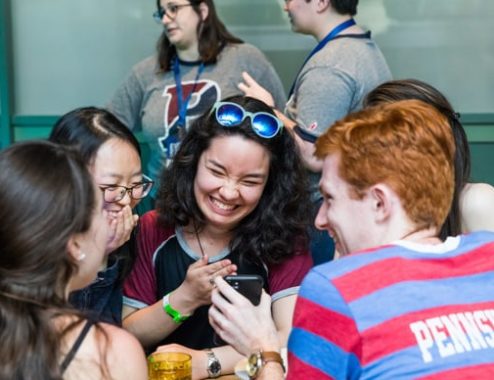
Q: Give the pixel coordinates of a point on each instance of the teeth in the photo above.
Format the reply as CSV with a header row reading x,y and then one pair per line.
x,y
222,206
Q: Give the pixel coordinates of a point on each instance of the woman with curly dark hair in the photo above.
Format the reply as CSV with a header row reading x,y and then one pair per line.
x,y
235,200
53,239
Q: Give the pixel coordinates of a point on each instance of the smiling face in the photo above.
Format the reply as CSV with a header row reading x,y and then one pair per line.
x,y
349,221
117,163
231,176
181,30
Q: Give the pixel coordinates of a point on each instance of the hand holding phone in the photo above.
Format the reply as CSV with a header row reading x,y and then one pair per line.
x,y
249,285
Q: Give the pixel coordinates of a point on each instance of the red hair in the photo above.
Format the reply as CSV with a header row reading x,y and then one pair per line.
x,y
408,145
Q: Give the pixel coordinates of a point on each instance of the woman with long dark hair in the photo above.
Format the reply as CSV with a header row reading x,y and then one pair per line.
x,y
198,62
236,200
53,239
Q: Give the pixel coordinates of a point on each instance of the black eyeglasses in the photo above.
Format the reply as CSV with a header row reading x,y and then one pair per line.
x,y
115,193
264,124
170,10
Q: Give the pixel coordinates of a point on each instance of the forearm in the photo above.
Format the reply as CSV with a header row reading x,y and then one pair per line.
x,y
150,325
228,358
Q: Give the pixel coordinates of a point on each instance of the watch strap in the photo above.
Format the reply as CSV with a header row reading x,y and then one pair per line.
x,y
272,356
304,135
175,314
258,360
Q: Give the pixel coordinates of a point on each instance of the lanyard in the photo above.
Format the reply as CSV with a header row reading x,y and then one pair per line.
x,y
183,103
330,36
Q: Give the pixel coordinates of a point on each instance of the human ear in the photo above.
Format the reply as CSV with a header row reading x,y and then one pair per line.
x,y
381,198
323,5
74,249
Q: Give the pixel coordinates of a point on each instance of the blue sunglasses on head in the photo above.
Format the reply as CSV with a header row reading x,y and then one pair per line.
x,y
264,124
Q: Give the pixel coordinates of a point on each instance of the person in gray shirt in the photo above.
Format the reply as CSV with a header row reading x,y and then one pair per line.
x,y
198,62
343,67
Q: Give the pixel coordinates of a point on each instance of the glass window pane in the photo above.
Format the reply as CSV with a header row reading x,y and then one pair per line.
x,y
73,53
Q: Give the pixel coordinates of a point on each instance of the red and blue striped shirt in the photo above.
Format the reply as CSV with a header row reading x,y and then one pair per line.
x,y
399,311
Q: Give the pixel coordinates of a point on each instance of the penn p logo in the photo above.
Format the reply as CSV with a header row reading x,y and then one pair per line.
x,y
204,93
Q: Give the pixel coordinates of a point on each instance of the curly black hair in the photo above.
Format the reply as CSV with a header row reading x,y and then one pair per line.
x,y
277,227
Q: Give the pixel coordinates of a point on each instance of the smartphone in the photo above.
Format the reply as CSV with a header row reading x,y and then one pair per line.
x,y
249,285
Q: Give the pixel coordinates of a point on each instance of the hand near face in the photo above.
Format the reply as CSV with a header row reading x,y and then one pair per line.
x,y
121,225
244,326
253,89
198,285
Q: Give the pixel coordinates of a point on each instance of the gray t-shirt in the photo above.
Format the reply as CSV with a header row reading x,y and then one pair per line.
x,y
333,83
147,100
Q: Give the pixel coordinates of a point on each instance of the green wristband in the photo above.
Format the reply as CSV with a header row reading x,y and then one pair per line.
x,y
175,314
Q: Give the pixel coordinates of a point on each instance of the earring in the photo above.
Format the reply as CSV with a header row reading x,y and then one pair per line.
x,y
81,256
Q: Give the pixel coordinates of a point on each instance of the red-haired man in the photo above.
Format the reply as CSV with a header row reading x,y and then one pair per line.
x,y
399,303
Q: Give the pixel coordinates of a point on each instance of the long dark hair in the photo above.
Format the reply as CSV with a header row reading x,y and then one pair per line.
x,y
212,35
278,225
396,90
87,129
47,197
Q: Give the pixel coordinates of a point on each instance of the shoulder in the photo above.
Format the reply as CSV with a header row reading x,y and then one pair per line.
x,y
349,54
149,219
147,64
149,223
126,358
477,207
105,345
151,234
243,51
140,76
289,274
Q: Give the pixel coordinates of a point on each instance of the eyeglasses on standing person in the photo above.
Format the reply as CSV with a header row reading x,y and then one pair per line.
x,y
169,10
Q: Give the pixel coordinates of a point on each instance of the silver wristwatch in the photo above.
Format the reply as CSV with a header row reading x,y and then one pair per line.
x,y
214,366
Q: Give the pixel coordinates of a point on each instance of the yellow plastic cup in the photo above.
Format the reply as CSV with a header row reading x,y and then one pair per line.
x,y
169,366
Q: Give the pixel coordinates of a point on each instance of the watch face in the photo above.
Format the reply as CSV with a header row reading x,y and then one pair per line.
x,y
215,367
253,365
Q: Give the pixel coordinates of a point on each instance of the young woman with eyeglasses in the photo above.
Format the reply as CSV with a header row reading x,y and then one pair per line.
x,y
53,238
112,154
198,62
235,201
